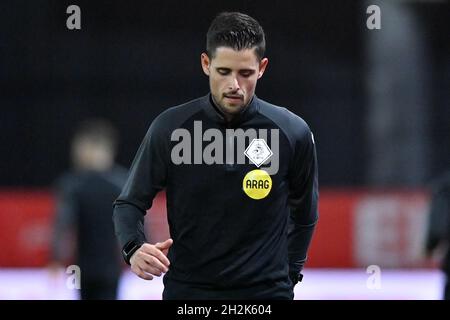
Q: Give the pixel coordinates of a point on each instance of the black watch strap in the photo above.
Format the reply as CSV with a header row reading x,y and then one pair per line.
x,y
129,249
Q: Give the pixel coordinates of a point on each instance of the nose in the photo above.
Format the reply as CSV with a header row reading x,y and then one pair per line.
x,y
234,84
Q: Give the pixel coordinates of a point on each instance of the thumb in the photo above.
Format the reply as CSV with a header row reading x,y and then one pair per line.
x,y
164,245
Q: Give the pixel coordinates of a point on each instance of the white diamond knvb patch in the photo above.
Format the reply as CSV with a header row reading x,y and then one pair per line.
x,y
258,152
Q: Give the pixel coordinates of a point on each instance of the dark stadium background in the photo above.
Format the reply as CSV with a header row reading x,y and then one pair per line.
x,y
131,60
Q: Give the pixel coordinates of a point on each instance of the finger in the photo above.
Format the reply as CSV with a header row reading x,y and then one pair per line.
x,y
164,245
141,274
154,262
153,251
150,269
145,276
142,264
158,254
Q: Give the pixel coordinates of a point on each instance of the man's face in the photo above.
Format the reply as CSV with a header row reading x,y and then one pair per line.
x,y
232,77
89,155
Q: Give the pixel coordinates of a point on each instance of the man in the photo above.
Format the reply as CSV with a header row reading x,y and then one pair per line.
x,y
438,232
240,228
83,205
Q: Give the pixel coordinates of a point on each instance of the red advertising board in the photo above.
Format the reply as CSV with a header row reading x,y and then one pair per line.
x,y
356,228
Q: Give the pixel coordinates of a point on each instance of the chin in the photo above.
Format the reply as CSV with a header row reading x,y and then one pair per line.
x,y
234,109
233,106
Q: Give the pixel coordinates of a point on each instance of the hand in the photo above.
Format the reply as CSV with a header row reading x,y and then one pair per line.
x,y
150,260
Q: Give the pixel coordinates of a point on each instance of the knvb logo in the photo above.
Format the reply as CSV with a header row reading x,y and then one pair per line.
x,y
258,152
221,146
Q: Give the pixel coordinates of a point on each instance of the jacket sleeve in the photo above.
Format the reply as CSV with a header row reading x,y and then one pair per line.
x,y
147,176
303,198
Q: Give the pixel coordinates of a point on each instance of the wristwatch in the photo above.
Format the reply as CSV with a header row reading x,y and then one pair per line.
x,y
129,248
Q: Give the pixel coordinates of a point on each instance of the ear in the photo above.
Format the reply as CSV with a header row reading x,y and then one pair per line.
x,y
262,67
206,63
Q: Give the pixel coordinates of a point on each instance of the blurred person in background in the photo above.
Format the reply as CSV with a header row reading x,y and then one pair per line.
x,y
438,233
84,199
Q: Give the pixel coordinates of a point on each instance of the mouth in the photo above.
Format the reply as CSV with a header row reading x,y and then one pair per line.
x,y
234,97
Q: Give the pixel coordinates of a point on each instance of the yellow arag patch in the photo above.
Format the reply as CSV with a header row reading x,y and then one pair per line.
x,y
257,184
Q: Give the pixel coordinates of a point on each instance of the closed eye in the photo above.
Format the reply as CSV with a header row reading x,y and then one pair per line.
x,y
247,73
223,71
244,73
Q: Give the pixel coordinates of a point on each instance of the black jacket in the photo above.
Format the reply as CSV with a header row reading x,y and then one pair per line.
x,y
226,244
83,204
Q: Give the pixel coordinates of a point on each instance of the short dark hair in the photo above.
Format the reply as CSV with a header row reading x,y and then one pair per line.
x,y
98,131
235,30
